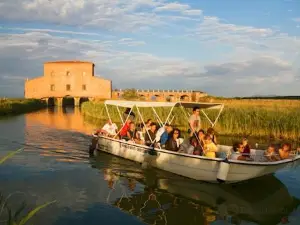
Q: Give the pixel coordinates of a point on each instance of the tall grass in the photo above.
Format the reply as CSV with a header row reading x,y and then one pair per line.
x,y
258,118
19,106
13,217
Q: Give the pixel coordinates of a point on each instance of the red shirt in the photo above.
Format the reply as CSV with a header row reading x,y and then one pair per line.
x,y
124,130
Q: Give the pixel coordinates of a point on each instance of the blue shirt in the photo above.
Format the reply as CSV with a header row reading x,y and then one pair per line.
x,y
164,137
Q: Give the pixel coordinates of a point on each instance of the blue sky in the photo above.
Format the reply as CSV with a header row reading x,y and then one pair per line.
x,y
227,48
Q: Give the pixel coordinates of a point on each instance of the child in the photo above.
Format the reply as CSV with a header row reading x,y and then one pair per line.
x,y
270,153
246,151
210,148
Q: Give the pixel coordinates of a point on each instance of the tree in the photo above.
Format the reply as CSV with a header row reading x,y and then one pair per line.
x,y
130,94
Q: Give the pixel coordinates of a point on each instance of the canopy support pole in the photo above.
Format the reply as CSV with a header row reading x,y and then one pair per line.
x,y
124,123
157,117
216,120
120,114
211,123
107,112
140,115
167,120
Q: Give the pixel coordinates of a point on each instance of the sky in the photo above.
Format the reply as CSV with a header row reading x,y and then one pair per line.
x,y
223,47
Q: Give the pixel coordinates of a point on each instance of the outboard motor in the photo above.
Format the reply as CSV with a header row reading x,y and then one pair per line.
x,y
223,171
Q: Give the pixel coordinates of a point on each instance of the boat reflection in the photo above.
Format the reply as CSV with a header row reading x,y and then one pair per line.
x,y
170,199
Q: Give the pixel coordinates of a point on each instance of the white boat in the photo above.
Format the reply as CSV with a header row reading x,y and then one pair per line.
x,y
192,166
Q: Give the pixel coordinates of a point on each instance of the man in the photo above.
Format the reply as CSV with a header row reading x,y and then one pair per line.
x,y
150,134
110,129
163,133
195,121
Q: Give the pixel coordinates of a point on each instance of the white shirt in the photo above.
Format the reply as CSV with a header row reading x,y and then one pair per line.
x,y
110,128
235,155
159,133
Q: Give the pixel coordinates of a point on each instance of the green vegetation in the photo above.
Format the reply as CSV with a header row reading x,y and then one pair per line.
x,y
257,118
13,217
130,94
18,106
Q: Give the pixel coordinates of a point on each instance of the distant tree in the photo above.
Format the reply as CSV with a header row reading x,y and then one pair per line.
x,y
130,94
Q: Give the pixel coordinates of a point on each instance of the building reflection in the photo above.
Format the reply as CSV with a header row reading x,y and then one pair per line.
x,y
63,118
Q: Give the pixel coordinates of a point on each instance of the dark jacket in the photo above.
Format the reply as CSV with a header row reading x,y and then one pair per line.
x,y
171,145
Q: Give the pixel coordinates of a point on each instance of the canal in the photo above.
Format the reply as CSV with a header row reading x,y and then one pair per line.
x,y
55,165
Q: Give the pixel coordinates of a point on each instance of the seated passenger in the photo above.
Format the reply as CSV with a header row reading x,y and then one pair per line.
x,y
148,125
210,148
201,136
164,136
110,129
160,131
150,135
238,149
246,151
124,130
211,133
172,143
270,154
284,151
132,134
188,146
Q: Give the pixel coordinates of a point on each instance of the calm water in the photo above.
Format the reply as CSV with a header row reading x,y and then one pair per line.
x,y
104,189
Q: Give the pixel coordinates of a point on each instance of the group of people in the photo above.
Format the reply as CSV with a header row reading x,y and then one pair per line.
x,y
199,142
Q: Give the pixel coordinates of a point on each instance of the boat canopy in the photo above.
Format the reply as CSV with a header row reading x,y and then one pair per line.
x,y
140,104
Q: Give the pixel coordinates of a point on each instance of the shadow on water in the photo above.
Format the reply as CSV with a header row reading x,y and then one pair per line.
x,y
55,165
171,199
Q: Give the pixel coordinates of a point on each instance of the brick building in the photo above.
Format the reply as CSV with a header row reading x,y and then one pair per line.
x,y
68,78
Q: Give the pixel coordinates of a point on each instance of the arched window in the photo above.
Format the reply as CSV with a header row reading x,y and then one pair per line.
x,y
68,73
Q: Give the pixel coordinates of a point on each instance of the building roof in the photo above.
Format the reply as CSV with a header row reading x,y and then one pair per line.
x,y
69,61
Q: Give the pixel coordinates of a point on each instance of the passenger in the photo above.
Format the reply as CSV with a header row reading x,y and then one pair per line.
x,y
132,134
270,153
124,130
165,136
110,129
160,131
188,146
247,148
284,151
201,136
210,148
148,125
211,133
150,135
173,142
195,121
238,149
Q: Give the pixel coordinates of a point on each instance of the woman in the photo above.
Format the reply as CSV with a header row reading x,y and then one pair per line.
x,y
132,134
211,133
172,143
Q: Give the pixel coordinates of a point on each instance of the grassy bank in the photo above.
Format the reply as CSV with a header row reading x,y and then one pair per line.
x,y
257,118
18,106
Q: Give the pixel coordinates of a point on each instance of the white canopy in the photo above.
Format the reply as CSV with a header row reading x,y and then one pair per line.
x,y
130,104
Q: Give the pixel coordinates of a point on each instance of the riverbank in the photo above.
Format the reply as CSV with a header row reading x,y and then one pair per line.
x,y
10,107
258,118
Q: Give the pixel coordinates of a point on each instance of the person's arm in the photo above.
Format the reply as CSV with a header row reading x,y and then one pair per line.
x,y
241,157
128,135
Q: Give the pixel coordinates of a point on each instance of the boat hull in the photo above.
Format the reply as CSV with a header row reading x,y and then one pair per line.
x,y
194,167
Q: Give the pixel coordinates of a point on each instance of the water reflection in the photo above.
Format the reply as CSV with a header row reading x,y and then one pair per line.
x,y
170,199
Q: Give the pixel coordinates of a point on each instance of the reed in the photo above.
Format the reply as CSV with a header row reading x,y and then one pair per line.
x,y
19,106
257,118
13,218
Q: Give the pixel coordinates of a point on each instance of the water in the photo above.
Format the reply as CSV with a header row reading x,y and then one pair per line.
x,y
55,165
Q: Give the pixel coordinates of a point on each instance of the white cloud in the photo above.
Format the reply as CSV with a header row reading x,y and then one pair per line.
x,y
296,19
140,70
112,15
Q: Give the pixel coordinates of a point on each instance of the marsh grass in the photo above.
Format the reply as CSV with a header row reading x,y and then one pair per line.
x,y
13,217
257,118
18,106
